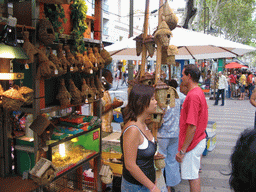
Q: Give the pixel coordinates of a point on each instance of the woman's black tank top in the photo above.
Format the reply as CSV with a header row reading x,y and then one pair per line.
x,y
145,161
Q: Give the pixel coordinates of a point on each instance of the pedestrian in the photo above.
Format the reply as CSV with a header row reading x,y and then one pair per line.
x,y
232,81
125,75
137,142
193,123
117,76
222,85
253,102
242,83
168,139
250,83
243,164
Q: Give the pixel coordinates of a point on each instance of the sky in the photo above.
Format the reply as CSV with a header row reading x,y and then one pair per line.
x,y
154,4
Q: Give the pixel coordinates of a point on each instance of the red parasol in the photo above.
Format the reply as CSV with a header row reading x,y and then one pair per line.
x,y
233,65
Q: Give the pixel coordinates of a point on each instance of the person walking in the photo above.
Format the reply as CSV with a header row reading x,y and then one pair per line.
x,y
168,139
125,75
137,142
242,82
232,81
250,83
193,123
221,88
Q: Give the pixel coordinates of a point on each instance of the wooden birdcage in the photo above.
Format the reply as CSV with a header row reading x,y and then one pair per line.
x,y
163,34
171,96
169,16
161,93
147,79
139,41
150,45
168,55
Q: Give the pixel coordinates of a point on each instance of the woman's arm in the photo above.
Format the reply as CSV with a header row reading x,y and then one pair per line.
x,y
253,98
131,141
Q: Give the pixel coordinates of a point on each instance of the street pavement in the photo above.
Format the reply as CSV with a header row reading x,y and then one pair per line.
x,y
231,119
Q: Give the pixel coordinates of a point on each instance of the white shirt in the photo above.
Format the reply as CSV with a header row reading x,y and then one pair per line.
x,y
222,82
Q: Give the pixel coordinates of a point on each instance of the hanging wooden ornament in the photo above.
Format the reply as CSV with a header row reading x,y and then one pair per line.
x,y
93,59
46,32
88,64
161,94
63,96
92,93
169,16
76,94
172,94
80,64
71,58
139,42
100,60
150,45
168,55
99,86
46,68
28,47
60,67
65,63
163,34
106,56
147,79
87,92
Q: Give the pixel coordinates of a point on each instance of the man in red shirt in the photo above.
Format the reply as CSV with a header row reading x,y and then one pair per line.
x,y
193,123
232,82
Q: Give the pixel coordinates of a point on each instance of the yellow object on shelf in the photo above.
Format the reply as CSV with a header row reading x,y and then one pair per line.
x,y
108,158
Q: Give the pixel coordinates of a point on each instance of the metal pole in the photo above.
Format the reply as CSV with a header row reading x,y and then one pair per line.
x,y
130,62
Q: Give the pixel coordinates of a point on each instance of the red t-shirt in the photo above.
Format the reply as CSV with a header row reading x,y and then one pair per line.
x,y
232,79
195,112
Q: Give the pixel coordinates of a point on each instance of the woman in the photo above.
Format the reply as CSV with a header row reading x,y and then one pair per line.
x,y
137,142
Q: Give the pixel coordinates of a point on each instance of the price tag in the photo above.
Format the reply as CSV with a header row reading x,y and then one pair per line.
x,y
82,67
91,71
56,72
71,69
86,100
26,66
96,65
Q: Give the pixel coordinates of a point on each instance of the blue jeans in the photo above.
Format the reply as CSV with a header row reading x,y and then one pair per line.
x,y
129,187
220,91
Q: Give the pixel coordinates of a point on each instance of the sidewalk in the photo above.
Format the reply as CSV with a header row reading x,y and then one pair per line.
x,y
231,120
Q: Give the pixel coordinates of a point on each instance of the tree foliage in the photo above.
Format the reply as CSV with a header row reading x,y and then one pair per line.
x,y
233,19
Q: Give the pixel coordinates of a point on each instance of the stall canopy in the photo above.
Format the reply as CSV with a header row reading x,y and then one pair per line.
x,y
234,65
191,45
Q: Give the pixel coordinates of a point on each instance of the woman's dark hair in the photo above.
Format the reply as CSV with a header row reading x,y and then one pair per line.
x,y
243,163
193,71
138,100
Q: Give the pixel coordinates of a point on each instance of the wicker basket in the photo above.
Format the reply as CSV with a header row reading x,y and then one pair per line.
x,y
106,56
163,34
169,16
53,58
28,94
12,100
159,163
63,96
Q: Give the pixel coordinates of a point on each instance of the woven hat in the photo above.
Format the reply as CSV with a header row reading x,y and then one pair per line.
x,y
46,32
169,16
163,34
